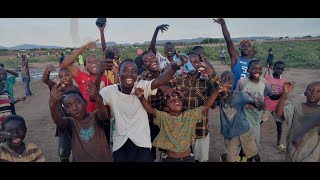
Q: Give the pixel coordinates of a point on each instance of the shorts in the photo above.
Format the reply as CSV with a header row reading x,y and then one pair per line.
x,y
245,141
201,149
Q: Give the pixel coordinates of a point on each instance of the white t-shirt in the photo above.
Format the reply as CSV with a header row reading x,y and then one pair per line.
x,y
131,119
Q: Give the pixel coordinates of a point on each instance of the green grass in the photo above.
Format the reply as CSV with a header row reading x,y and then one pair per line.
x,y
294,53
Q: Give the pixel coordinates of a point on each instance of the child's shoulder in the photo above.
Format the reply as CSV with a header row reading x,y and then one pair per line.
x,y
30,146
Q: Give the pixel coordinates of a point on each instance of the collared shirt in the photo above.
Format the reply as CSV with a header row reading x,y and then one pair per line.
x,y
194,94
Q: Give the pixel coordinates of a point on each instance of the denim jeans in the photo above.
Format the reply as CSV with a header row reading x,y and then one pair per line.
x,y
26,81
64,147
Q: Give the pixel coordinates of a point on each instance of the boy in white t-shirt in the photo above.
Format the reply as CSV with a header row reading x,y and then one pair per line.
x,y
130,129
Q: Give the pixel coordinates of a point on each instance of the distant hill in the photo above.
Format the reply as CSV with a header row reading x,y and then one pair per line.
x,y
159,42
31,46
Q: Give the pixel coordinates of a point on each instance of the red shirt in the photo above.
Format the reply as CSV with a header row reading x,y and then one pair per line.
x,y
105,81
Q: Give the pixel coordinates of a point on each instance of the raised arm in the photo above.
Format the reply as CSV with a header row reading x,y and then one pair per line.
x,y
19,99
55,94
162,27
69,60
104,64
168,74
209,69
147,106
94,95
103,40
231,49
287,88
214,95
46,76
12,72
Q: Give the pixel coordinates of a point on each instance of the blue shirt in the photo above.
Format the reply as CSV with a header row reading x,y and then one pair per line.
x,y
240,70
233,119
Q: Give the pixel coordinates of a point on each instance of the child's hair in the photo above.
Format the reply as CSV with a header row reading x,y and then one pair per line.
x,y
15,118
270,49
63,69
252,62
2,65
278,63
196,48
193,53
167,43
125,61
72,92
312,83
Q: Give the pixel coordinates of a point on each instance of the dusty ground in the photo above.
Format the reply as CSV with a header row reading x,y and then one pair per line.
x,y
41,128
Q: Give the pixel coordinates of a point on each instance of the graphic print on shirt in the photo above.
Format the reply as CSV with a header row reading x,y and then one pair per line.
x,y
230,112
87,134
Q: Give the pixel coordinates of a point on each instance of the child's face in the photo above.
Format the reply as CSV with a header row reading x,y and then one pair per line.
x,y
128,74
255,71
3,74
17,132
169,50
150,62
75,106
313,93
174,103
246,48
65,77
278,70
92,65
227,79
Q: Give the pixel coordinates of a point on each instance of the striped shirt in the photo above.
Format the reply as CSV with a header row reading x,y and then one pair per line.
x,y
5,106
31,154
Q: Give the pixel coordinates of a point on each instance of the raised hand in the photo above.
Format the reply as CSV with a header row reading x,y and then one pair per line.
x,y
288,87
162,27
92,91
183,58
105,64
219,21
92,44
102,28
23,98
56,93
224,87
50,68
115,67
138,92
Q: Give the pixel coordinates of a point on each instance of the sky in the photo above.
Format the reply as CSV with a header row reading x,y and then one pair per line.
x,y
56,31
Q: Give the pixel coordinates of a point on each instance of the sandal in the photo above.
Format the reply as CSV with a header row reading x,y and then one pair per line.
x,y
281,147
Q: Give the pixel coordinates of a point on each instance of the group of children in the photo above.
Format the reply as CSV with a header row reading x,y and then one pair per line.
x,y
166,106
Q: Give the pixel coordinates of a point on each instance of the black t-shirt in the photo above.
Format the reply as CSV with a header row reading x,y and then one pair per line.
x,y
61,59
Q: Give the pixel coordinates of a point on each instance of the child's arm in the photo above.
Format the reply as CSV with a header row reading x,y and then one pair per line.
x,y
55,94
258,101
168,74
314,121
213,97
94,95
231,49
69,60
104,64
19,99
46,75
103,40
287,88
162,27
147,106
12,72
